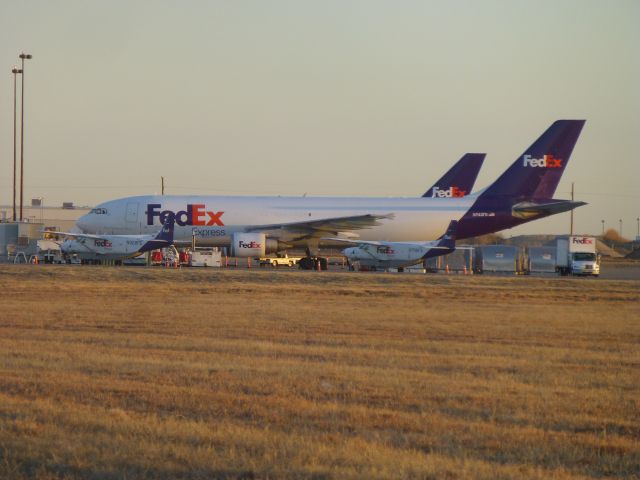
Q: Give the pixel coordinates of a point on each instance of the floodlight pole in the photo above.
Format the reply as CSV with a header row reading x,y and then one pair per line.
x,y
571,227
22,57
15,72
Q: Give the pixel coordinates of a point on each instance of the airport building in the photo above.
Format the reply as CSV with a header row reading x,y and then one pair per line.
x,y
21,238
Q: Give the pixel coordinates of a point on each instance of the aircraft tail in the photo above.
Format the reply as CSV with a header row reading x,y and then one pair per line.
x,y
163,239
537,172
166,233
448,240
446,243
460,178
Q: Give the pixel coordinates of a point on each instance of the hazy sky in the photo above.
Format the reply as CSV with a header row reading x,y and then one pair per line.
x,y
373,98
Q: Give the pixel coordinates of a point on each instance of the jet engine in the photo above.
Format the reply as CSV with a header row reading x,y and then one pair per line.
x,y
253,245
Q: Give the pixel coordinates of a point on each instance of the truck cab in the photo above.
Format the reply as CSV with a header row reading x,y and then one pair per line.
x,y
585,263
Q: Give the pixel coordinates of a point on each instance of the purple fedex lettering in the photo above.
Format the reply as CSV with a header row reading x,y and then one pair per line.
x,y
582,241
193,215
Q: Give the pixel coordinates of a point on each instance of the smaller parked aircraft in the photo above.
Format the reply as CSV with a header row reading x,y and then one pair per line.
x,y
114,247
383,255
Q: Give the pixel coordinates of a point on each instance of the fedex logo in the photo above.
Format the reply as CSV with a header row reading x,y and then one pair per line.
x,y
547,161
582,240
451,192
194,215
102,243
251,244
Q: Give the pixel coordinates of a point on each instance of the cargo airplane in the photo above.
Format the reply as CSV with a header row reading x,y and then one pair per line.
x,y
253,226
113,247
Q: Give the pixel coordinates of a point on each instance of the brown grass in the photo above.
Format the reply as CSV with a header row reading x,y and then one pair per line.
x,y
151,373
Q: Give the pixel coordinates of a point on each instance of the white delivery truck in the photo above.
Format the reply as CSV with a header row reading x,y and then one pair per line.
x,y
577,256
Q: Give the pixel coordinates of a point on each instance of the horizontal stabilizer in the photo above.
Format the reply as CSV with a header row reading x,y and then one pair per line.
x,y
535,209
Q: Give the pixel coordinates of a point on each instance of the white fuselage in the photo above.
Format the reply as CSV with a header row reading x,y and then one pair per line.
x,y
214,219
387,255
108,248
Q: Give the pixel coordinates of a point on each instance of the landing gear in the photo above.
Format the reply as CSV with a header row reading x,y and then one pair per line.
x,y
312,263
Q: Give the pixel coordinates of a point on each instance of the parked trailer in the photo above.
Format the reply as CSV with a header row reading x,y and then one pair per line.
x,y
498,259
541,260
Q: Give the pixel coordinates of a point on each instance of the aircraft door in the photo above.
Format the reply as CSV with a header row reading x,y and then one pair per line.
x,y
132,213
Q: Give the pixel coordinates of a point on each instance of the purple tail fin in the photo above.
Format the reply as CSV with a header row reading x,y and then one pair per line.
x,y
446,243
536,173
448,240
166,233
460,178
163,239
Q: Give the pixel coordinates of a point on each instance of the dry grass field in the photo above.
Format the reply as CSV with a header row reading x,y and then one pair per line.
x,y
151,373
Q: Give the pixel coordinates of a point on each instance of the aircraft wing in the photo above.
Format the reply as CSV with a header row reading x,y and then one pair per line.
x,y
74,235
353,242
318,228
381,244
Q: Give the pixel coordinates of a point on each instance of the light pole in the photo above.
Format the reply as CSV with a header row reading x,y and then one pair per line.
x,y
22,57
602,227
620,232
15,72
638,234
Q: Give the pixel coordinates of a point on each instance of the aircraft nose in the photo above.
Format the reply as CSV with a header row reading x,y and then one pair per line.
x,y
83,223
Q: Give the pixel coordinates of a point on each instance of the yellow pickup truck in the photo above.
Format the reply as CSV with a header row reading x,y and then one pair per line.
x,y
279,261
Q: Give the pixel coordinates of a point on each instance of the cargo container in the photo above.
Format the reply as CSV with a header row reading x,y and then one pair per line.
x,y
541,260
458,261
498,259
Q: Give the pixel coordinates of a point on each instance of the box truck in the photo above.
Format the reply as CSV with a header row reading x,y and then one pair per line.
x,y
577,256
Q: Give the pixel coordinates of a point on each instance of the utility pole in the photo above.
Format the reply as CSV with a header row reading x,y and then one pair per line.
x,y
162,183
571,228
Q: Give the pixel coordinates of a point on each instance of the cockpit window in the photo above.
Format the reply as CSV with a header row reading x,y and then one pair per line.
x,y
99,211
